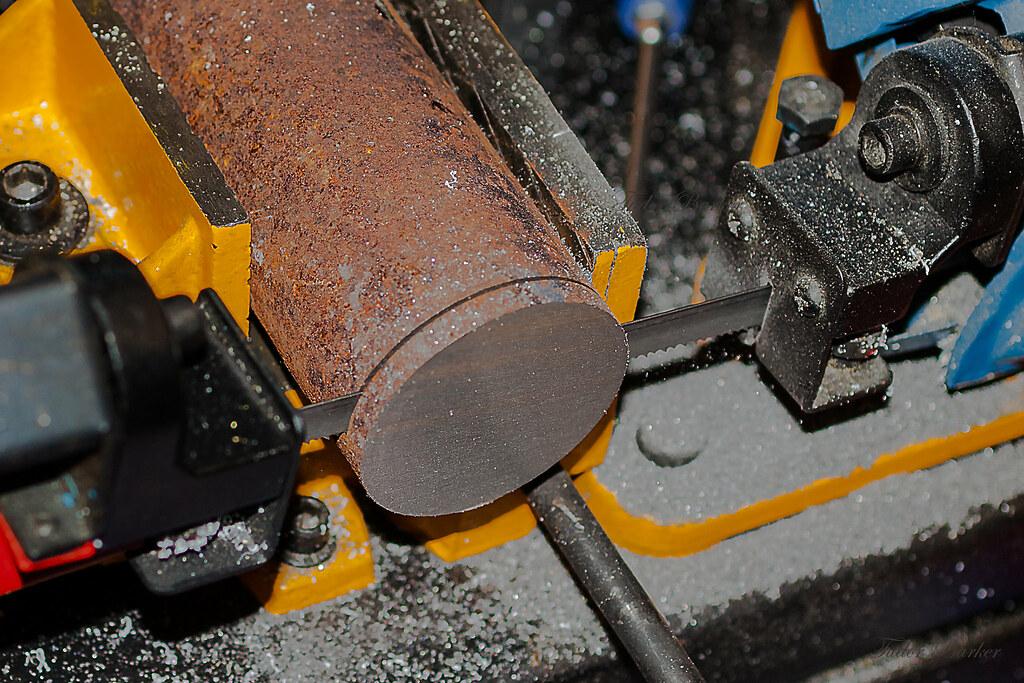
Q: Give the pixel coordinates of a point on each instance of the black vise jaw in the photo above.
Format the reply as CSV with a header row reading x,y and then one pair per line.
x,y
931,164
128,418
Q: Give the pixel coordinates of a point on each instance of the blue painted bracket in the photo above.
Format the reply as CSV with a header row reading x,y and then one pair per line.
x,y
848,22
1011,12
991,344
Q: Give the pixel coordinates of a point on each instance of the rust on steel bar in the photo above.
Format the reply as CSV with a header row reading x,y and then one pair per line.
x,y
514,109
393,251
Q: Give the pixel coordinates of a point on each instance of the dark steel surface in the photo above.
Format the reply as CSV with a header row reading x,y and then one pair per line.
x,y
499,405
391,211
327,418
907,344
613,589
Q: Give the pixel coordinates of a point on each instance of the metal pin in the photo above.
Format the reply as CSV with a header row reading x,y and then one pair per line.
x,y
613,588
651,33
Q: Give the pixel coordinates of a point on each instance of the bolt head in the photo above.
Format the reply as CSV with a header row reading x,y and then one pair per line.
x,y
30,198
809,297
307,540
25,182
809,105
741,220
874,151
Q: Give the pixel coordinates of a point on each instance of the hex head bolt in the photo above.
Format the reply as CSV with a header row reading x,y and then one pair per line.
x,y
809,105
808,110
29,197
890,145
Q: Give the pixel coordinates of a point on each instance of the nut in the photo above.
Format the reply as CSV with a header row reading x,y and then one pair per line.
x,y
809,105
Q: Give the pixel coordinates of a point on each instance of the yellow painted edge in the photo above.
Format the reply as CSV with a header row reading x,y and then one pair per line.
x,y
196,257
453,537
623,291
645,536
229,260
601,277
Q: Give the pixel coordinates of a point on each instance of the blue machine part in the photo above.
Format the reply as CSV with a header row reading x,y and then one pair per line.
x,y
847,22
1011,12
991,344
677,16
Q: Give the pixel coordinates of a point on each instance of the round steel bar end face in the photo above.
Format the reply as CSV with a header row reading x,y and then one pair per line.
x,y
39,212
494,409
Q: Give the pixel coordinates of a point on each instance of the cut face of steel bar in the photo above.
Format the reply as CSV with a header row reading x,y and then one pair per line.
x,y
611,586
394,253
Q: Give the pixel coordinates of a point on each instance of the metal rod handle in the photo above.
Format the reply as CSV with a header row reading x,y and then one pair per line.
x,y
608,581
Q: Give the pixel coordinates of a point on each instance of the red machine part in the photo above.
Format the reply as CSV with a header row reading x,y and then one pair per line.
x,y
14,563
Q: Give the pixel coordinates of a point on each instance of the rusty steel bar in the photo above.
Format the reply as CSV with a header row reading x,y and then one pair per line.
x,y
393,251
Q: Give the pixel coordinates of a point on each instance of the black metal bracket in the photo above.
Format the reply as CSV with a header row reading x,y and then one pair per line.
x,y
135,418
930,165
